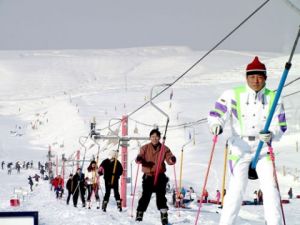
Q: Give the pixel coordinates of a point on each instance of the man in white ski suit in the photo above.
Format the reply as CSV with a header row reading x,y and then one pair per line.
x,y
247,108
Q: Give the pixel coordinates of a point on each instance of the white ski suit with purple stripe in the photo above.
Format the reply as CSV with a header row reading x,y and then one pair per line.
x,y
247,112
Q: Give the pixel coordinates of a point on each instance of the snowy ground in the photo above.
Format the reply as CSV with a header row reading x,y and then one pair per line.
x,y
59,92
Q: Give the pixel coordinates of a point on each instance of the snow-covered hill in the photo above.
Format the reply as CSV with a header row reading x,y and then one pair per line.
x,y
48,98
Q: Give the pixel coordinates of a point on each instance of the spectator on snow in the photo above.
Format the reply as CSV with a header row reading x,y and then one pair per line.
x,y
2,165
260,197
247,108
57,181
149,158
205,195
46,177
179,200
112,169
218,196
183,191
92,180
186,199
9,168
290,193
78,187
42,172
18,167
30,182
36,178
255,197
69,187
192,190
59,191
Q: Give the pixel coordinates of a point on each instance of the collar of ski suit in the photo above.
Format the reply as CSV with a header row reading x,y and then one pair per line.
x,y
258,95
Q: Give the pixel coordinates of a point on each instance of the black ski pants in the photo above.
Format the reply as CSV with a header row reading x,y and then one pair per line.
x,y
69,196
79,191
108,188
149,188
93,188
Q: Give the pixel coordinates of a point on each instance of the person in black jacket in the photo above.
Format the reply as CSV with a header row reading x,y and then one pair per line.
x,y
30,182
69,187
78,187
112,170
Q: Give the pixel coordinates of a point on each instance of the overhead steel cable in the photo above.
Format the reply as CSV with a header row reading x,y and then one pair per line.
x,y
199,60
203,120
293,93
175,126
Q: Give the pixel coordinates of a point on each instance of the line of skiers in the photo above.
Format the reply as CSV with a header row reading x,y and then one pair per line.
x,y
18,165
80,182
112,169
10,166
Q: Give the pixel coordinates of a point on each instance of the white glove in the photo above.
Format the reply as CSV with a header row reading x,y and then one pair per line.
x,y
216,129
265,136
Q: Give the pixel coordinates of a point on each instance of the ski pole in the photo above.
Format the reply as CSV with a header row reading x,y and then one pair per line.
x,y
270,148
136,177
181,164
288,65
160,159
224,172
115,162
215,138
83,145
175,178
97,185
176,188
163,147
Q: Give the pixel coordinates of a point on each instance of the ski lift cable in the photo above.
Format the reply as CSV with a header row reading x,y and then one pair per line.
x,y
187,124
199,60
292,6
293,93
202,120
292,81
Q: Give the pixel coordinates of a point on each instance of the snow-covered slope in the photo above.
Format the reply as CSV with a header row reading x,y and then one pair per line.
x,y
48,98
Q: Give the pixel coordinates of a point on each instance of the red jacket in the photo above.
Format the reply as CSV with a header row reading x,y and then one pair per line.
x,y
150,154
57,181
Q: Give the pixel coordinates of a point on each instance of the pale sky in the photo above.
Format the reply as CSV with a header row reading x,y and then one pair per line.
x,y
105,24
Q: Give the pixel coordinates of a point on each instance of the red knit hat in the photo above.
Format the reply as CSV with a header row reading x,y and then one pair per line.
x,y
256,67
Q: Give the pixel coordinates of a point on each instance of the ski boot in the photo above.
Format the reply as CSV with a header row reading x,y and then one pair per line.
x,y
164,217
139,216
104,205
119,205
